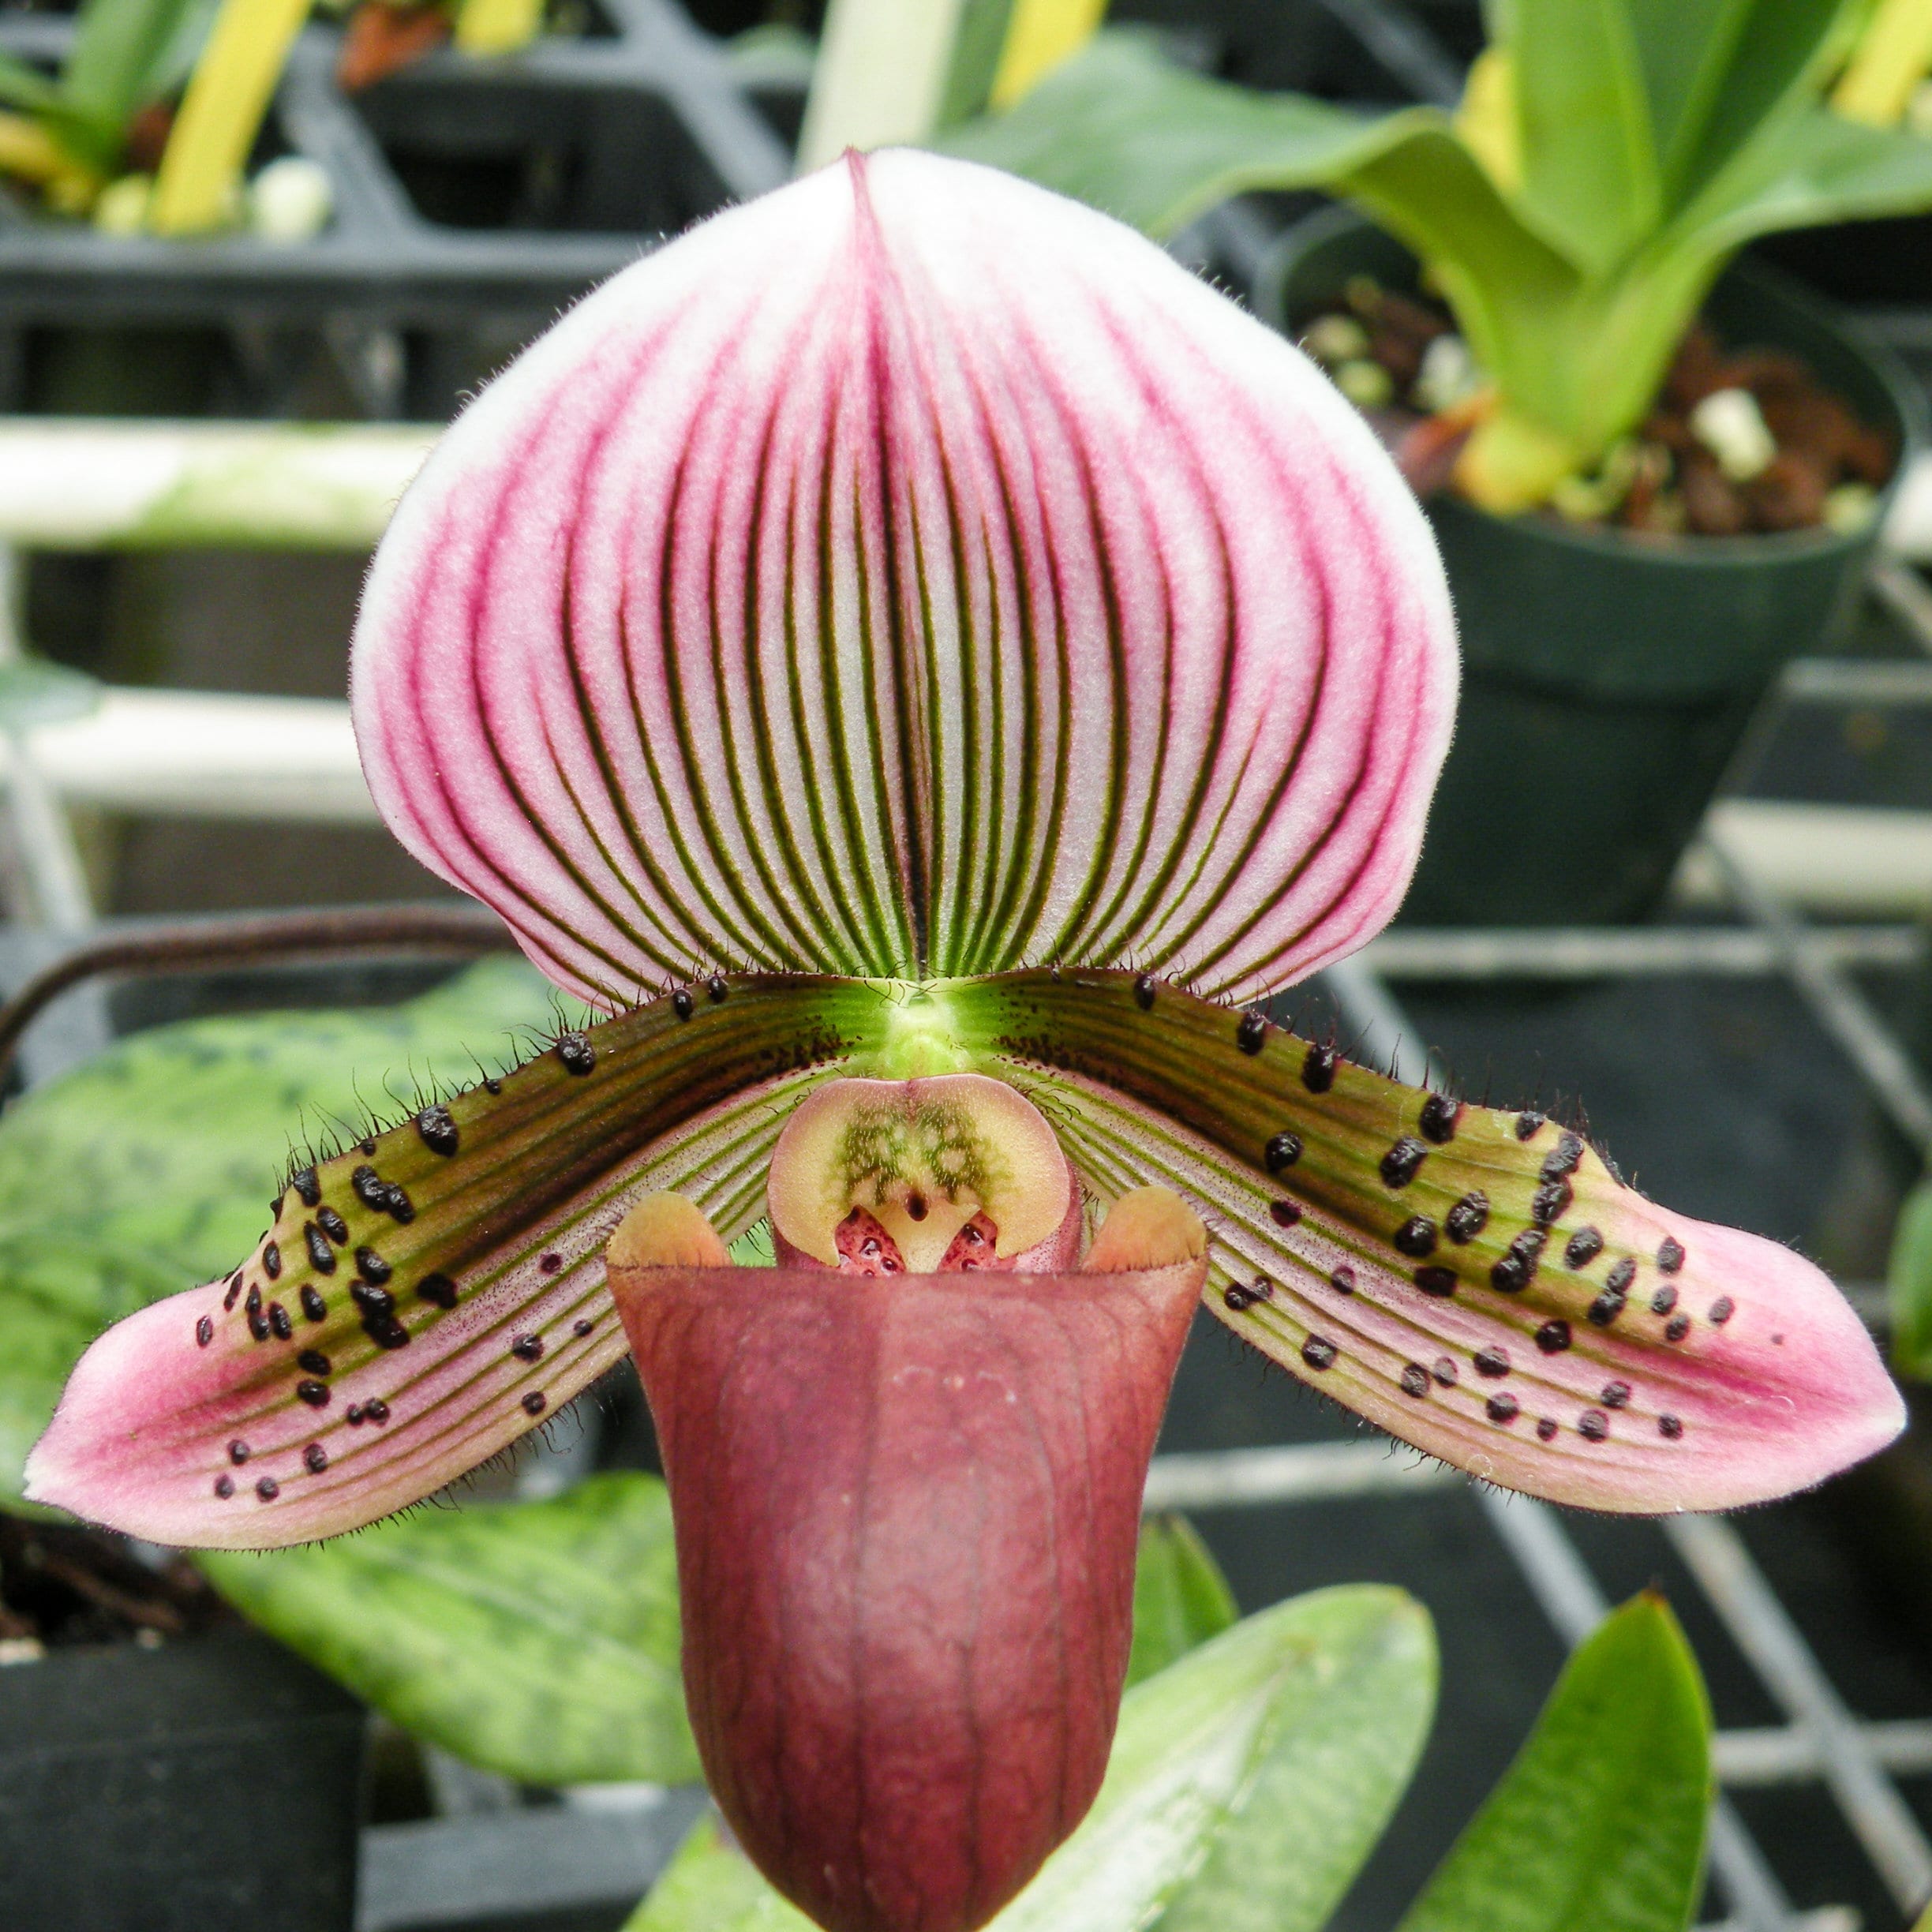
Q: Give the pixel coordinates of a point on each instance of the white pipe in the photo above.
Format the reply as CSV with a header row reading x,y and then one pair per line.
x,y
1844,861
201,754
210,755
77,484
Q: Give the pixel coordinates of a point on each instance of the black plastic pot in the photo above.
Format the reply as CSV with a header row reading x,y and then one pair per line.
x,y
1608,678
211,1785
1876,263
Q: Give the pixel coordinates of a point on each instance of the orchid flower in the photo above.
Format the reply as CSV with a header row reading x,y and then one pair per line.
x,y
929,669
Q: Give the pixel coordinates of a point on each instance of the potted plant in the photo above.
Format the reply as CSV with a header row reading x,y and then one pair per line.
x,y
1575,215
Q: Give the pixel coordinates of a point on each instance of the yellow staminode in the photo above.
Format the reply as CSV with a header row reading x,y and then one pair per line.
x,y
665,1230
1148,1227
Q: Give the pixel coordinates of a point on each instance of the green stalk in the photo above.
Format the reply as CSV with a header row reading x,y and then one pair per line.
x,y
880,76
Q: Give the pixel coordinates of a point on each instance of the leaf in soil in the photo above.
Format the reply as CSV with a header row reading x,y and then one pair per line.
x,y
1248,1783
150,1167
1181,1597
1601,1819
539,1640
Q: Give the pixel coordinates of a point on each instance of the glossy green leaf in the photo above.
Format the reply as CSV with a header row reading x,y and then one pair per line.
x,y
1181,1597
1344,1730
1590,167
1821,168
1684,55
151,1167
1783,53
1120,126
539,1640
1909,1274
1600,1821
1720,75
23,86
1248,1783
121,55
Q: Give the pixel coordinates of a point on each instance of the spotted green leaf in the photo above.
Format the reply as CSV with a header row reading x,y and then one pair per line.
x,y
1601,1819
1247,1785
151,1167
1181,1597
536,1639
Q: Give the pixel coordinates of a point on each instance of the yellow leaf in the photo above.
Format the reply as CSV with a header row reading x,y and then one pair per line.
x,y
199,185
498,26
1889,60
1040,35
1486,122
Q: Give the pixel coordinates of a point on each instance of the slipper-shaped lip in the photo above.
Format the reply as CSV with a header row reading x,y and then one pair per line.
x,y
907,1513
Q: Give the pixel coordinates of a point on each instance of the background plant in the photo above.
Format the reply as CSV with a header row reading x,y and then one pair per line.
x,y
69,134
1606,161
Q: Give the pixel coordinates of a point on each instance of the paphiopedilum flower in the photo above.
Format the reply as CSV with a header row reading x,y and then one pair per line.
x,y
927,667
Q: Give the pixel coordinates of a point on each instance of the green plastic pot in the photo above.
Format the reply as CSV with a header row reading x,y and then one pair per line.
x,y
1608,678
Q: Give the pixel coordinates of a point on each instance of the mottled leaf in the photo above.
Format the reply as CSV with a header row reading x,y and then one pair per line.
x,y
539,1640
